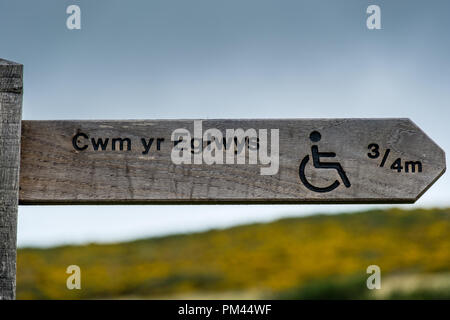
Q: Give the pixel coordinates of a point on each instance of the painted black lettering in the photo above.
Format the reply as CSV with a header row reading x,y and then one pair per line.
x,y
146,145
75,141
374,151
121,143
99,143
413,165
158,143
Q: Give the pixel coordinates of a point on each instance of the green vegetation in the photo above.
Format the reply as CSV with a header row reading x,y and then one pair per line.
x,y
354,287
337,288
321,256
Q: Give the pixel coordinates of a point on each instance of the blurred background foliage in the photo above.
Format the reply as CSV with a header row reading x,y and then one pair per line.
x,y
315,257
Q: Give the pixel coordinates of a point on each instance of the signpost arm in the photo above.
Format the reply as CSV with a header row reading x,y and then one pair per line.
x,y
11,85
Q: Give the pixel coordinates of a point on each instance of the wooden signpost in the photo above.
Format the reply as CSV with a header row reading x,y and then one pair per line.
x,y
226,161
270,161
10,121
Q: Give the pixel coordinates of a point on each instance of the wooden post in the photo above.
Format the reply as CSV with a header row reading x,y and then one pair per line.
x,y
10,132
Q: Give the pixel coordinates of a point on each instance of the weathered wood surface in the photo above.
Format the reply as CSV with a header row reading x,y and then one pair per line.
x,y
10,122
54,172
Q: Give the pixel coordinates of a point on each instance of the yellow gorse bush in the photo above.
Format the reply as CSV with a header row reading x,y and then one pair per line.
x,y
269,257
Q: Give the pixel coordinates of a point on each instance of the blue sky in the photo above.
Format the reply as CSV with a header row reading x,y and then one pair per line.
x,y
170,59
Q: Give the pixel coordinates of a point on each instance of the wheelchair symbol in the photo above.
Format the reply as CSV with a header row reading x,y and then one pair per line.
x,y
315,136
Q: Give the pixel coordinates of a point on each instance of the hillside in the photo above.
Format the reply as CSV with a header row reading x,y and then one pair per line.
x,y
289,258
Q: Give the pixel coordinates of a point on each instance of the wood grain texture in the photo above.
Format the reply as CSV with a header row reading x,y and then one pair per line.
x,y
54,172
10,122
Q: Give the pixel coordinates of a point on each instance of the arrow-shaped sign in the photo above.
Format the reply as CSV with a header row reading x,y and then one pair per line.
x,y
227,161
